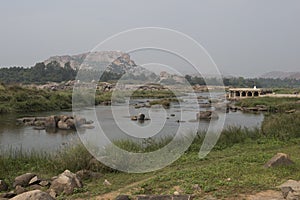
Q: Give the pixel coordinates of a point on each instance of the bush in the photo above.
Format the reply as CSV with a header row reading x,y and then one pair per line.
x,y
282,126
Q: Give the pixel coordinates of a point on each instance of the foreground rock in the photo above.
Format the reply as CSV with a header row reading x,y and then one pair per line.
x,y
65,183
23,180
280,159
33,195
290,189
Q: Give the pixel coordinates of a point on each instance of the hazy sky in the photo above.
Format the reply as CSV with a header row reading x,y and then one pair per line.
x,y
244,37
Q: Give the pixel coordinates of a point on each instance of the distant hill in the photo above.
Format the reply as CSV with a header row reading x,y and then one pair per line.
x,y
112,65
281,75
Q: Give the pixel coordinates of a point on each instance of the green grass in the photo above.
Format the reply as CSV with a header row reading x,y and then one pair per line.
x,y
274,104
14,98
286,90
234,166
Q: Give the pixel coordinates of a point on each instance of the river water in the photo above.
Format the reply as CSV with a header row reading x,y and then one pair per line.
x,y
116,124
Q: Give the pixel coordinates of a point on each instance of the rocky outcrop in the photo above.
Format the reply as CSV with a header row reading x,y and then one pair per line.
x,y
280,159
33,195
63,122
65,183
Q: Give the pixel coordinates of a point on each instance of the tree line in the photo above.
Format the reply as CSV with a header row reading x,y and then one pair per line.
x,y
53,72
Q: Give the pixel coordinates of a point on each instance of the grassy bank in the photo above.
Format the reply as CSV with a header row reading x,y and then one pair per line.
x,y
273,104
20,99
14,98
234,166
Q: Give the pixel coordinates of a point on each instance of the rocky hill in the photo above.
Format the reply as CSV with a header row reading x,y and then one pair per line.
x,y
115,63
281,75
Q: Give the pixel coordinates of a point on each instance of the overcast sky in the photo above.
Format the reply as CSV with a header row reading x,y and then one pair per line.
x,y
244,37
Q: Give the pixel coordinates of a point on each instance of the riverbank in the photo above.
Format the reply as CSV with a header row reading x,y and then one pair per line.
x,y
270,104
234,167
14,98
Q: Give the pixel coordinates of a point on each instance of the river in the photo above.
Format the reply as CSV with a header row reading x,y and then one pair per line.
x,y
117,125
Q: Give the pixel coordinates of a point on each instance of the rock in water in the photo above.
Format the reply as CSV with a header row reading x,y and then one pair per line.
x,y
141,116
207,115
51,121
280,159
33,195
62,125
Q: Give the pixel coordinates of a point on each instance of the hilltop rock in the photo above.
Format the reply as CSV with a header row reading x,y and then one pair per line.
x,y
111,62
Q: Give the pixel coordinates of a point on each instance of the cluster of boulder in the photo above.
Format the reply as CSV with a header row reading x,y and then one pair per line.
x,y
207,115
63,122
30,186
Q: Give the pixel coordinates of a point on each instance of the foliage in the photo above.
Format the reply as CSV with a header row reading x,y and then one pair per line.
x,y
274,104
20,99
245,82
282,126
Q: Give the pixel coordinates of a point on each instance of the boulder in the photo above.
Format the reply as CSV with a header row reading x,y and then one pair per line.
x,y
280,159
87,174
79,121
71,123
33,195
19,189
35,187
51,121
140,116
23,180
65,183
290,189
133,118
8,195
34,180
62,125
3,186
208,115
44,183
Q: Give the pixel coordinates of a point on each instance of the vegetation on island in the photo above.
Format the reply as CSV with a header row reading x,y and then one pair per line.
x,y
273,104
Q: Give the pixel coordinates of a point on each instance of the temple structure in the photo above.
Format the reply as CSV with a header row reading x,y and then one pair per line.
x,y
236,93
